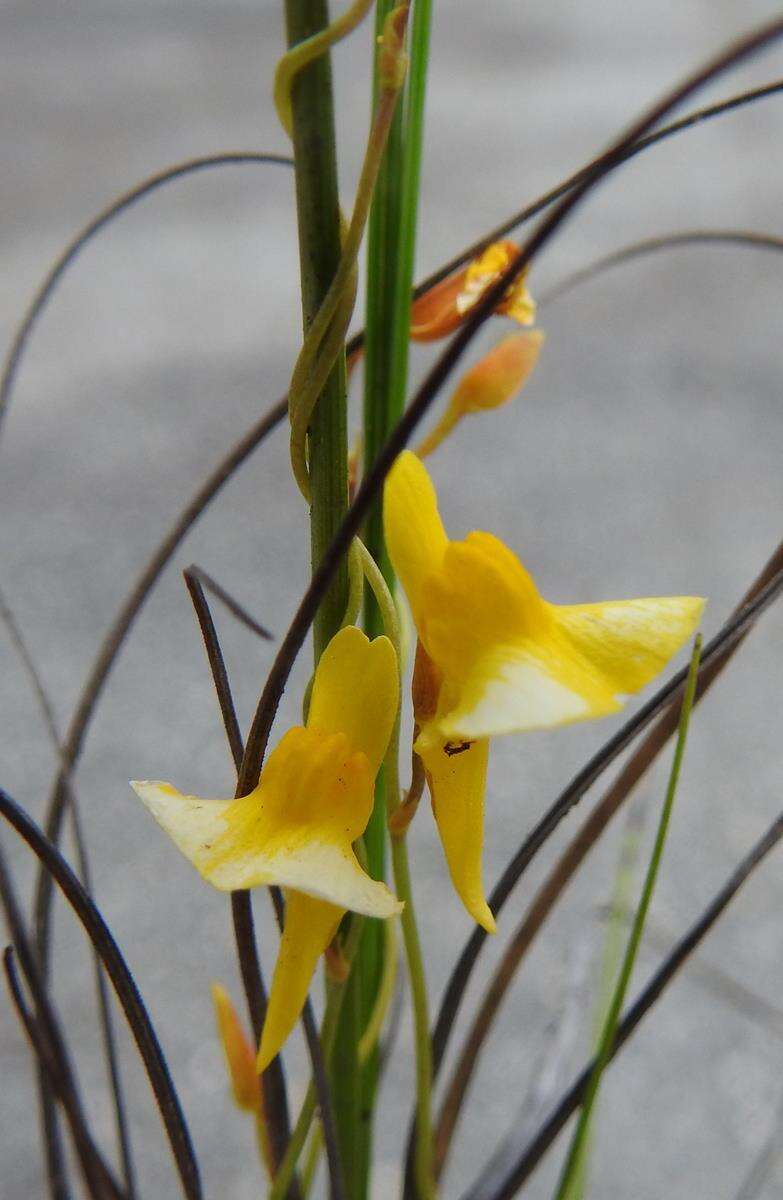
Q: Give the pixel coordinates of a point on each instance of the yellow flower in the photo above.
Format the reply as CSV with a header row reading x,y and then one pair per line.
x,y
495,657
443,307
297,827
491,382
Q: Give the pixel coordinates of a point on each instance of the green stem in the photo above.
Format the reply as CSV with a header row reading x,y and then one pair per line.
x,y
573,1159
390,254
320,249
413,138
335,996
326,334
372,1032
319,254
425,1179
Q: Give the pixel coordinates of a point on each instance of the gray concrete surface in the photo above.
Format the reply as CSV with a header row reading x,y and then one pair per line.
x,y
645,457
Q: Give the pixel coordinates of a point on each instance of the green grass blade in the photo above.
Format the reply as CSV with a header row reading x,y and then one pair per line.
x,y
572,1166
619,907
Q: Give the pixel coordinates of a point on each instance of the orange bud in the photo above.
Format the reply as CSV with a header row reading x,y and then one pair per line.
x,y
494,380
499,375
240,1054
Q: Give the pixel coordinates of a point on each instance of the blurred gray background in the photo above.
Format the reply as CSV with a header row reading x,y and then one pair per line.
x,y
644,457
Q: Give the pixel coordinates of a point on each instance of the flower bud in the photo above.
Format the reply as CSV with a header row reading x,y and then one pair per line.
x,y
240,1054
492,381
500,374
443,307
392,59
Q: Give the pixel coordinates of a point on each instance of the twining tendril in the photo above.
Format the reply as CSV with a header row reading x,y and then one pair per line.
x,y
301,55
326,335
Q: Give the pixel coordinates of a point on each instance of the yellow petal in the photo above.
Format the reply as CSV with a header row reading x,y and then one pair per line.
x,y
530,685
309,927
355,692
240,1055
482,597
414,531
192,824
591,657
329,872
630,641
456,774
295,829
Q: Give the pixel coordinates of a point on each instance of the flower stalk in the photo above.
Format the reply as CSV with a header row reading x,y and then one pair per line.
x,y
402,881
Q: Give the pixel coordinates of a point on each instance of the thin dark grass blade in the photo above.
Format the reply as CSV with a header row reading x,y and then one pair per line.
x,y
273,1080
724,986
234,607
104,1007
552,1069
670,241
511,1181
112,643
38,1045
240,452
125,987
766,1162
699,117
46,1030
217,664
93,227
246,944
